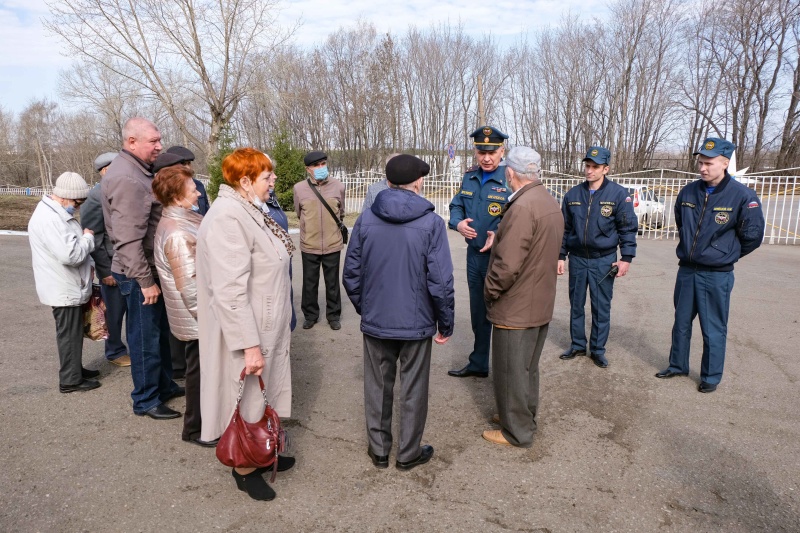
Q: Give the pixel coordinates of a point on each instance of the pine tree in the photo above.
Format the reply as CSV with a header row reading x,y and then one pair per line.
x,y
289,168
226,146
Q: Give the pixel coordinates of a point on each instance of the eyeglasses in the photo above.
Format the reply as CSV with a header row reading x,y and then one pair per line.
x,y
79,202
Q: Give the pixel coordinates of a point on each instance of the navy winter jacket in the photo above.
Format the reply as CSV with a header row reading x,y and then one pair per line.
x,y
717,229
398,272
595,224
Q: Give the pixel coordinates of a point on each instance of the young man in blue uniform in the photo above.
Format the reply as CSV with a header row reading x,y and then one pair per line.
x,y
598,218
474,210
719,220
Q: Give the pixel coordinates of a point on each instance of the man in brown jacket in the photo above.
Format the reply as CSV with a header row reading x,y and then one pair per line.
x,y
131,213
320,238
520,293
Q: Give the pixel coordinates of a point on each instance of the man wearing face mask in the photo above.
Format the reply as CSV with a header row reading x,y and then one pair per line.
x,y
474,211
321,239
63,270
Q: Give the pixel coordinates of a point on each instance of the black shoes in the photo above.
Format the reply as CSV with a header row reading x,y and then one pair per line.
x,y
254,485
706,387
381,461
160,412
284,464
599,360
203,443
180,392
89,374
570,354
467,372
424,456
84,385
666,374
335,325
308,324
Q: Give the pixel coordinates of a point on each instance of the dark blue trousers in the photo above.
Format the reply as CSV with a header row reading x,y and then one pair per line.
x,y
477,265
147,330
586,273
116,307
707,294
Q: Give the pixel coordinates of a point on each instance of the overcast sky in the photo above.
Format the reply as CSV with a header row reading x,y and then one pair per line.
x,y
30,59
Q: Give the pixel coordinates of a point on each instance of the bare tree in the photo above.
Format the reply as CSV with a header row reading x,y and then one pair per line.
x,y
175,51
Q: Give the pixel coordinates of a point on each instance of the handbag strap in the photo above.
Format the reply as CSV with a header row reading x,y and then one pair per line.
x,y
241,388
328,207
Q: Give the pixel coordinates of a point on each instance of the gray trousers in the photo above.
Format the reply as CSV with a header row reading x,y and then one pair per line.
x,y
515,363
380,369
69,338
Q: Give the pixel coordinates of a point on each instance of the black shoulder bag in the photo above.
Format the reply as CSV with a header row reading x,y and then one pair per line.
x,y
339,223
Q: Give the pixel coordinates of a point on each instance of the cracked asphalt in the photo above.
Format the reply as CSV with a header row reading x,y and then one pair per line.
x,y
617,449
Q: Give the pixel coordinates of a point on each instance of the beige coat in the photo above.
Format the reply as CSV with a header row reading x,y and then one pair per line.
x,y
520,286
242,301
319,233
175,243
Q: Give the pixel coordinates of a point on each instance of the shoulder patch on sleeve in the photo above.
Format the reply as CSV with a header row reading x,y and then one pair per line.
x,y
752,204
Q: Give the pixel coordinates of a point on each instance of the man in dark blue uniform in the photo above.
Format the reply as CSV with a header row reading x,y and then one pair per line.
x,y
598,218
474,210
719,220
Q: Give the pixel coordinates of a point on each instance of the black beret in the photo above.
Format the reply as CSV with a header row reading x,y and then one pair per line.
x,y
404,169
314,157
185,153
166,160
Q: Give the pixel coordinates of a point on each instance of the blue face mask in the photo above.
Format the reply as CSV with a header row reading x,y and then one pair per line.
x,y
321,173
70,210
195,208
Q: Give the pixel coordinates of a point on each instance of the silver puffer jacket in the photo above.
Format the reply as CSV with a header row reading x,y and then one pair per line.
x,y
175,245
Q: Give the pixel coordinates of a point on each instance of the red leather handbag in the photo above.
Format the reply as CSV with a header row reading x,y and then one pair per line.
x,y
252,444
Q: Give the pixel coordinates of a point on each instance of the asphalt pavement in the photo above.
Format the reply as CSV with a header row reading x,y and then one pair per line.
x,y
617,449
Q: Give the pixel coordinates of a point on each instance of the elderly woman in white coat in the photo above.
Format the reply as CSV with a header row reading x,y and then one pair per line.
x,y
243,307
63,271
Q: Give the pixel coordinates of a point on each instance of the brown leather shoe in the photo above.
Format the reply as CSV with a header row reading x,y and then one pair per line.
x,y
495,436
124,360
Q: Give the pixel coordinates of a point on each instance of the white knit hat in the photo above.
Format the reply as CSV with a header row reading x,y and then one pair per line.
x,y
71,186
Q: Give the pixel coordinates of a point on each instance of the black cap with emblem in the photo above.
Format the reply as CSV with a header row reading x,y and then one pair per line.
x,y
488,138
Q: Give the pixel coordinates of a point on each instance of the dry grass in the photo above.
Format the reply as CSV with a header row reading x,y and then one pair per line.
x,y
16,211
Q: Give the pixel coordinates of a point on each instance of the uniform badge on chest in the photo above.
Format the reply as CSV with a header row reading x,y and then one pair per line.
x,y
606,210
495,209
721,218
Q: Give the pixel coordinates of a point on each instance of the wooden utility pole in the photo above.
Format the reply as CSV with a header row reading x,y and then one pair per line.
x,y
481,108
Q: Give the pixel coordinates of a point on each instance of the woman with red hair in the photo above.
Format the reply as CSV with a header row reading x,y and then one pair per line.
x,y
243,259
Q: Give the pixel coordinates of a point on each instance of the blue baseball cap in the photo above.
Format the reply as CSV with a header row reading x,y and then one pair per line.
x,y
714,146
598,154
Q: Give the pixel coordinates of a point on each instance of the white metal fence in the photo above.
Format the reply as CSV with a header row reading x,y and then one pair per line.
x,y
780,197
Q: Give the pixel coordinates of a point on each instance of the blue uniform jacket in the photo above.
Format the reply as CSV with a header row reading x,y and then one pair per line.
x,y
398,272
595,224
482,203
717,229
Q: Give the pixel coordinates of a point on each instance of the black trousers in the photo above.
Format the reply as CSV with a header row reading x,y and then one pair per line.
x,y
330,271
190,350
177,351
69,338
